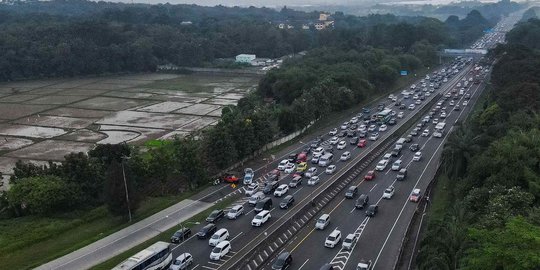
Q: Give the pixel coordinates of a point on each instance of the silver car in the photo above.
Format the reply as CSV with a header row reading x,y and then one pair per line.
x,y
182,262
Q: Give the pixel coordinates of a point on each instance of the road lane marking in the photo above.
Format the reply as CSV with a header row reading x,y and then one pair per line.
x,y
303,264
236,236
373,188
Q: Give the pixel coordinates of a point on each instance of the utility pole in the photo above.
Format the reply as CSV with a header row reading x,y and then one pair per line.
x,y
125,185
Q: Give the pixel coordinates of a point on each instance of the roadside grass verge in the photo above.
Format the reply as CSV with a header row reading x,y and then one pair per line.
x,y
164,236
22,238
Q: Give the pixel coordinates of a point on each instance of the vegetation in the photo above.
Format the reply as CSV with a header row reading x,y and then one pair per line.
x,y
489,217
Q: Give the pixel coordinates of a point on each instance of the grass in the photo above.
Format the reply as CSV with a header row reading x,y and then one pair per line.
x,y
200,84
22,238
164,236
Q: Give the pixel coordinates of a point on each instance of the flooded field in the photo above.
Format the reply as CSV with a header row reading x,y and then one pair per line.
x,y
44,120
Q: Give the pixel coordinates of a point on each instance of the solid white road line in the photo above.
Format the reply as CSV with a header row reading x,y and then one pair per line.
x,y
303,264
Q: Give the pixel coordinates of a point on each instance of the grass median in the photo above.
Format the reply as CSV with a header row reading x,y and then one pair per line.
x,y
164,236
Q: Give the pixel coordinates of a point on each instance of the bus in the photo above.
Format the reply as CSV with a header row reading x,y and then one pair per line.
x,y
384,116
439,130
156,256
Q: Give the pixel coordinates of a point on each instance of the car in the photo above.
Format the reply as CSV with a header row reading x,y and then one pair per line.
x,y
408,139
349,241
182,262
362,201
311,172
302,167
313,180
465,103
369,176
269,187
415,195
362,143
220,250
286,202
414,147
283,261
372,128
290,168
397,165
229,177
372,210
273,175
351,133
333,239
330,169
354,140
344,125
354,120
392,121
342,134
333,132
374,136
457,108
345,156
319,151
251,189
417,156
443,115
248,176
341,145
435,121
383,127
215,216
207,231
425,133
351,192
218,237
180,235
451,103
388,192
402,174
293,157
412,107
235,212
315,159
403,107
296,181
334,140
261,218
418,102
364,265
381,165
283,164
281,190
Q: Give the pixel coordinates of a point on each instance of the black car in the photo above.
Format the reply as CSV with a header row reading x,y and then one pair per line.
x,y
286,202
270,187
372,210
215,216
401,174
398,103
181,235
351,192
354,127
402,107
307,150
396,152
292,157
342,134
362,201
207,231
392,121
353,140
414,147
283,261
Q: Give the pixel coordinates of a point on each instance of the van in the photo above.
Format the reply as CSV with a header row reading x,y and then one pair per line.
x,y
263,204
256,198
326,159
322,222
220,250
218,237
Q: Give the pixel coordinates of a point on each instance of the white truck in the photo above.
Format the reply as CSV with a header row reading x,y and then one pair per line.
x,y
439,130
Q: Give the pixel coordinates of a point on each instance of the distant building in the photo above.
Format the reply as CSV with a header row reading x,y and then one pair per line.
x,y
245,58
186,23
305,26
281,26
324,16
319,26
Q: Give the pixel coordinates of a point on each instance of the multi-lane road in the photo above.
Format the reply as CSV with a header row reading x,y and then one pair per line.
x,y
380,236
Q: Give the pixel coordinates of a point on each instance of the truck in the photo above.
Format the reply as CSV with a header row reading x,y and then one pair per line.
x,y
439,130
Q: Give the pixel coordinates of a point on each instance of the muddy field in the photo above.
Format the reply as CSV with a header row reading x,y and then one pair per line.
x,y
44,120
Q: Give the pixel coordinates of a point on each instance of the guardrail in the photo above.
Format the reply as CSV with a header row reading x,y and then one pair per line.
x,y
270,243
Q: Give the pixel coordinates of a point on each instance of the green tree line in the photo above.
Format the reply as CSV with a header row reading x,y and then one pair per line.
x,y
491,219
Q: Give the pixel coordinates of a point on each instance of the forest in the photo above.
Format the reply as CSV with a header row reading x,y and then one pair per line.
x,y
486,212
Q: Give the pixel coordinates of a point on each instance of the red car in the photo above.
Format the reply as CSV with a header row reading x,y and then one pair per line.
x,y
229,178
370,175
362,143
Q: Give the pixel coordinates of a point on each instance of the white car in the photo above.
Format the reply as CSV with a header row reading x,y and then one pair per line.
x,y
374,136
383,128
344,125
417,156
235,212
400,115
443,115
333,239
249,174
435,121
283,164
334,140
381,165
341,145
330,169
220,250
411,107
182,262
372,128
387,156
290,168
313,180
362,127
261,218
218,237
425,133
354,120
418,102
349,241
281,190
397,165
318,151
333,132
311,172
388,192
451,103
251,189
345,156
465,103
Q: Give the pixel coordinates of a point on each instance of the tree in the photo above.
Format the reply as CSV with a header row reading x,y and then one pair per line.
x,y
115,190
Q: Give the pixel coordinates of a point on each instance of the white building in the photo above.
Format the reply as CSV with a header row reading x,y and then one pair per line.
x,y
245,58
